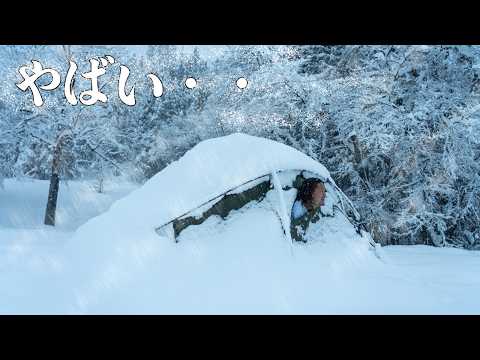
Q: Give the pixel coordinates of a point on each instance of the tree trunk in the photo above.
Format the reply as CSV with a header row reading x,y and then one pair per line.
x,y
52,200
357,153
54,186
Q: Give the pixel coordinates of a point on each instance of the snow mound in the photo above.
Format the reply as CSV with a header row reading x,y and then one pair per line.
x,y
119,263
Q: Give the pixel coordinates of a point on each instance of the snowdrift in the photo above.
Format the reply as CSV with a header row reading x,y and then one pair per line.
x,y
116,262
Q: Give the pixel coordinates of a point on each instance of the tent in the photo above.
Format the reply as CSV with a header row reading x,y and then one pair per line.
x,y
224,174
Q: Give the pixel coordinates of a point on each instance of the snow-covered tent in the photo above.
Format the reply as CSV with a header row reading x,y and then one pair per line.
x,y
119,258
230,172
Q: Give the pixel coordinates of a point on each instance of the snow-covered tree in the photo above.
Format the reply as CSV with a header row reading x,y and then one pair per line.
x,y
396,125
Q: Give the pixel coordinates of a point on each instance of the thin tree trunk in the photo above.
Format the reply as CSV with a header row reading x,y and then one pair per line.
x,y
54,187
359,158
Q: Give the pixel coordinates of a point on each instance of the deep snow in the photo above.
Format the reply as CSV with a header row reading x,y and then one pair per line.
x,y
414,279
31,254
116,263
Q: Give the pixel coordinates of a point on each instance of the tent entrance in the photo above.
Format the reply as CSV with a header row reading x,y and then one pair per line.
x,y
256,190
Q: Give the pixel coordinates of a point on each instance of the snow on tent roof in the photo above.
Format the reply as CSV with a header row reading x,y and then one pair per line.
x,y
209,169
215,166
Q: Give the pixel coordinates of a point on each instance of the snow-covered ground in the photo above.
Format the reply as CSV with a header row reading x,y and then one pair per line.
x,y
30,252
105,256
251,273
